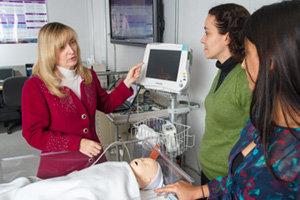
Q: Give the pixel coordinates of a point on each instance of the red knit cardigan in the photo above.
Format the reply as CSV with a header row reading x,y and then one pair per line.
x,y
53,124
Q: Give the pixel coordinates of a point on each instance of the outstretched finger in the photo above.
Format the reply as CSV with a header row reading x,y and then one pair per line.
x,y
140,64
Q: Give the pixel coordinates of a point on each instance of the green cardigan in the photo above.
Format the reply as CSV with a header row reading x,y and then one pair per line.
x,y
227,112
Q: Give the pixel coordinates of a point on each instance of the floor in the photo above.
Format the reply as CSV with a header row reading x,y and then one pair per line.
x,y
14,144
14,152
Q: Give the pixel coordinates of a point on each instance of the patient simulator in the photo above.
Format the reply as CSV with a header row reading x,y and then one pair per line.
x,y
110,180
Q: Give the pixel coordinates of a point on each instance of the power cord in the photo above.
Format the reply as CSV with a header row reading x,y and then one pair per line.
x,y
109,146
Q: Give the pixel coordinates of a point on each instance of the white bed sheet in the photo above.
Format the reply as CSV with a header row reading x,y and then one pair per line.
x,y
110,180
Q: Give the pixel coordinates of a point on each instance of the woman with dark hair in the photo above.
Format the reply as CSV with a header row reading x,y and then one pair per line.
x,y
228,101
269,146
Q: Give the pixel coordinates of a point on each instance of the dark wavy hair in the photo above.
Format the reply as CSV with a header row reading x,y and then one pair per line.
x,y
275,31
230,18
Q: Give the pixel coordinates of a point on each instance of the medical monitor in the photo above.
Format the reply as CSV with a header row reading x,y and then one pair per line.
x,y
136,22
166,67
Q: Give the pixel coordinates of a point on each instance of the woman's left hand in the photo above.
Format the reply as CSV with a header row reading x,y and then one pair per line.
x,y
183,190
133,74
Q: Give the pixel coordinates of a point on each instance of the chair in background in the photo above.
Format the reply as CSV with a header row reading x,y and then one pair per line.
x,y
4,73
10,114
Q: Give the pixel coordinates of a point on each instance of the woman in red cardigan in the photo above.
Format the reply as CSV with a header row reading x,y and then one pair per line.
x,y
60,101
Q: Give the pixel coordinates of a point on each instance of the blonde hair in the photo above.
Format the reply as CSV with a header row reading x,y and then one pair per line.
x,y
51,38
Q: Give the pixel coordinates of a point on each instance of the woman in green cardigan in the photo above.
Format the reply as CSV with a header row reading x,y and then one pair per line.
x,y
228,101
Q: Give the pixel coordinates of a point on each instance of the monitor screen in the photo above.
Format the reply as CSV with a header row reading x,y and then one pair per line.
x,y
165,62
166,67
134,22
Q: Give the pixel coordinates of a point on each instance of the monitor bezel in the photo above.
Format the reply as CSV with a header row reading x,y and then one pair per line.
x,y
183,76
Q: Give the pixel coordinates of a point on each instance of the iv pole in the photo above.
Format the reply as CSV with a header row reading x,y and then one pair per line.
x,y
173,98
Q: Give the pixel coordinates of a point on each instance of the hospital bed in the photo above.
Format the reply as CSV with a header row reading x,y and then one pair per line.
x,y
27,166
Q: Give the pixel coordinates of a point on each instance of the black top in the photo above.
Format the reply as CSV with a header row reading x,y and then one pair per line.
x,y
237,161
225,68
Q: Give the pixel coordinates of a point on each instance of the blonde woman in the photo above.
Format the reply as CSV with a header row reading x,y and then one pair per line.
x,y
60,100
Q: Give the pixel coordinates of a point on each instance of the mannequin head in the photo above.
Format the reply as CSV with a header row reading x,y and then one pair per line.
x,y
148,173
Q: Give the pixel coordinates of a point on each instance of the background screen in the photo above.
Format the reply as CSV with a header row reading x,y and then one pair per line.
x,y
131,19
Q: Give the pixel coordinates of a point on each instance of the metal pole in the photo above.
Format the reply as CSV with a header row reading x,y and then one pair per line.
x,y
92,29
105,35
173,105
176,20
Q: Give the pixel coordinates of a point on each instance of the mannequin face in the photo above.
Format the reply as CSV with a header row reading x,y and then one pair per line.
x,y
145,170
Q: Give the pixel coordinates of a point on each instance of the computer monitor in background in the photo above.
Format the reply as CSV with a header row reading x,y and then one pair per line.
x,y
28,69
166,67
5,73
136,22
